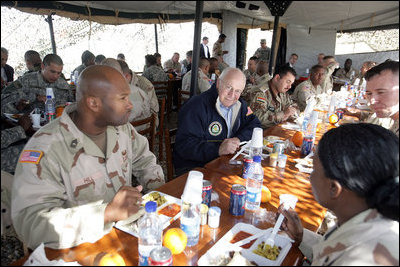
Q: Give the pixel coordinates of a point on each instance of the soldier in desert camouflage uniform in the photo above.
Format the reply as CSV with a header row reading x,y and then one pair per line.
x,y
74,177
270,102
365,199
330,64
309,88
33,61
32,87
217,47
173,65
260,80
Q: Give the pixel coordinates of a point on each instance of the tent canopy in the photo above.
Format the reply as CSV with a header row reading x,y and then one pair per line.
x,y
320,15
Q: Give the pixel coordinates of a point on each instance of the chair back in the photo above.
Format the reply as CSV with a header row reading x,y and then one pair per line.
x,y
163,89
160,130
149,131
182,97
169,148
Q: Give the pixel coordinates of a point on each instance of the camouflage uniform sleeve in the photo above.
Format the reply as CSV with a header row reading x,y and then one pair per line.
x,y
204,84
144,164
257,53
268,118
42,213
310,239
10,96
12,135
303,96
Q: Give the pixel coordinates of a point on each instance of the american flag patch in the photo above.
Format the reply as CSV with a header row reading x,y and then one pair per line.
x,y
31,156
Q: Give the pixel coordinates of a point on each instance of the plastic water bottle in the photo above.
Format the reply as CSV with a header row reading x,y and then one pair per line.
x,y
50,108
307,113
332,106
253,185
190,222
150,233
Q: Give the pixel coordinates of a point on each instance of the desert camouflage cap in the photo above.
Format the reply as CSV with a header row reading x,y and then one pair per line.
x,y
263,41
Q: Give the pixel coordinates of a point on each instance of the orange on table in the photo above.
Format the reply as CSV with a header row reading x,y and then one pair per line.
x,y
112,259
265,194
175,239
297,138
333,118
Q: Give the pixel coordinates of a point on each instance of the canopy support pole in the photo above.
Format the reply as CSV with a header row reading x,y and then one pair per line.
x,y
156,35
53,41
272,61
196,46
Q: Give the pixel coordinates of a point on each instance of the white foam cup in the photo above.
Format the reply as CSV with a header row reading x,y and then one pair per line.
x,y
35,120
257,138
288,201
193,188
214,214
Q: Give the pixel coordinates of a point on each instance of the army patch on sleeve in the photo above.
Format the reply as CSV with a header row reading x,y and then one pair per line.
x,y
261,99
249,111
30,156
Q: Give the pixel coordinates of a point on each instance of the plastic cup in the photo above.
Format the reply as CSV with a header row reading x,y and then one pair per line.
x,y
282,161
257,138
214,214
193,188
288,201
273,159
35,120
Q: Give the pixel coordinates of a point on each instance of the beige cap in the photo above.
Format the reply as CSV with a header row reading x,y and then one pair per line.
x,y
263,41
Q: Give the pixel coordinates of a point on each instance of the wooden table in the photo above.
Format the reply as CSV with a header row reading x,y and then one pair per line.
x,y
222,176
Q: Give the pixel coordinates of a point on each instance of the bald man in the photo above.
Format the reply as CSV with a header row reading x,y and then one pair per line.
x,y
203,82
73,179
214,123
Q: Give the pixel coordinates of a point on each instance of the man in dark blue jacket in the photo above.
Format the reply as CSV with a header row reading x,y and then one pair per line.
x,y
214,123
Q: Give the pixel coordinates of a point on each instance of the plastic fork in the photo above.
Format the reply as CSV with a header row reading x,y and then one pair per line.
x,y
271,239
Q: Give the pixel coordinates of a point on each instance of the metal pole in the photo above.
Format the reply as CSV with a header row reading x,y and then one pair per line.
x,y
155,33
53,42
196,46
273,47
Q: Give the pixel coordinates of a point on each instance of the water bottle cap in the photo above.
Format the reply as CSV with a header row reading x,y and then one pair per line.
x,y
257,159
151,206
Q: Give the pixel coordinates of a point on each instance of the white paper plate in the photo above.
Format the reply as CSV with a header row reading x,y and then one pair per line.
x,y
131,227
217,252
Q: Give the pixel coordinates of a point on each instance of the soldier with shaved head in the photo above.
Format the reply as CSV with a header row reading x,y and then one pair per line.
x,y
74,177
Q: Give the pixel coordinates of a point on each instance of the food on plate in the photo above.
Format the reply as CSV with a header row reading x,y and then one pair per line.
x,y
170,210
297,138
265,194
333,118
111,259
155,196
239,260
267,252
240,236
175,239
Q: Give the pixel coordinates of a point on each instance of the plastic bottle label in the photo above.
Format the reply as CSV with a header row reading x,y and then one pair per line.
x,y
191,229
253,197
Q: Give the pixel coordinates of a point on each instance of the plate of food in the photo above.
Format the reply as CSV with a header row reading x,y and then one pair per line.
x,y
13,117
168,210
225,253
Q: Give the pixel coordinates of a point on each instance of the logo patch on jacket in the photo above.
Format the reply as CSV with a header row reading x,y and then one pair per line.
x,y
249,111
31,156
215,128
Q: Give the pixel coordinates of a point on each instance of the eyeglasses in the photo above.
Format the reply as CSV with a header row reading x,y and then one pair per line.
x,y
228,88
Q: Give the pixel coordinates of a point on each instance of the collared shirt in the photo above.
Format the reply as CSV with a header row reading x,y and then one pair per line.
x,y
227,114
